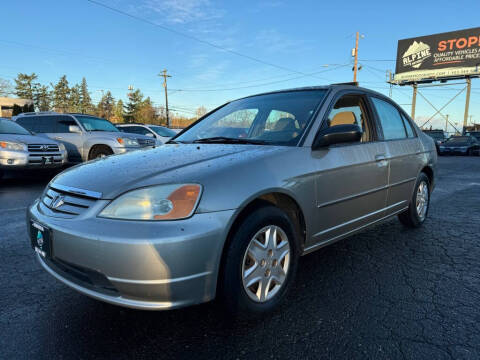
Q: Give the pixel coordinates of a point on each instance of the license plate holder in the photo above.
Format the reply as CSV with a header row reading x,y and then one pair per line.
x,y
41,239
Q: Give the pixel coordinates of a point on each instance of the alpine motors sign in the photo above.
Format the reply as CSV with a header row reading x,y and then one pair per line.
x,y
453,54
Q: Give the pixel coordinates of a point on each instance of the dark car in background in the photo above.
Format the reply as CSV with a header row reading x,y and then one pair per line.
x,y
475,134
460,145
438,136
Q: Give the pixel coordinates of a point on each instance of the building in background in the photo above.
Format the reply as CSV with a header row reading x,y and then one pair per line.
x,y
7,104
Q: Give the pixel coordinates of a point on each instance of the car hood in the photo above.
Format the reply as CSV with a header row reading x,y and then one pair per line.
x,y
170,163
458,144
27,139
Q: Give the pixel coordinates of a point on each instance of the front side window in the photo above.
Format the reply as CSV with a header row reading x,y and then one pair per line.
x,y
351,109
135,130
392,123
63,123
91,123
272,119
9,127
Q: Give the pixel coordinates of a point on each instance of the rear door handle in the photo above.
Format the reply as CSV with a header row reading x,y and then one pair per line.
x,y
380,157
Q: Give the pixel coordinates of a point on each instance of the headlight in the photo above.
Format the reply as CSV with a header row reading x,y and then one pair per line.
x,y
162,202
61,147
127,141
12,146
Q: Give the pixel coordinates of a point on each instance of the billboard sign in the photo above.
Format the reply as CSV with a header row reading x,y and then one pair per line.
x,y
453,54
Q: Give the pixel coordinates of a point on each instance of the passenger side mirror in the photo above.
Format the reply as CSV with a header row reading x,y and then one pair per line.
x,y
337,134
74,129
149,134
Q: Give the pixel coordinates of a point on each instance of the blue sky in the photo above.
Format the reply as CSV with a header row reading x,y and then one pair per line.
x,y
113,51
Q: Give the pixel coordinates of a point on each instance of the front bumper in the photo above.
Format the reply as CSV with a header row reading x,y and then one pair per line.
x,y
26,160
123,150
453,151
143,265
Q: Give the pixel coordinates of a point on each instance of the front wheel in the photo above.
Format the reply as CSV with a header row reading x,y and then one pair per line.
x,y
100,151
417,211
260,263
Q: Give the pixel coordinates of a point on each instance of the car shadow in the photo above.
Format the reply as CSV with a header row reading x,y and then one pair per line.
x,y
331,284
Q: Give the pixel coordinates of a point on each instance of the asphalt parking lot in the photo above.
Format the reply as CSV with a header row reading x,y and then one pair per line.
x,y
389,293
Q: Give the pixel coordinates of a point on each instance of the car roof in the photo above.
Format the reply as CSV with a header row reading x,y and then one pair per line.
x,y
336,87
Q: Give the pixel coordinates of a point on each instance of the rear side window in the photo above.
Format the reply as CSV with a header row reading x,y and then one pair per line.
x,y
135,130
38,124
390,119
408,127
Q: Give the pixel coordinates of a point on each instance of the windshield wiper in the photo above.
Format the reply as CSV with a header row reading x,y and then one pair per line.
x,y
228,140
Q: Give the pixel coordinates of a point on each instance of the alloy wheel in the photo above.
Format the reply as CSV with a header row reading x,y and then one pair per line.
x,y
422,200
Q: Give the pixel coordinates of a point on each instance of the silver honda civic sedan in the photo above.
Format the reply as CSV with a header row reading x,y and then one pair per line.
x,y
226,209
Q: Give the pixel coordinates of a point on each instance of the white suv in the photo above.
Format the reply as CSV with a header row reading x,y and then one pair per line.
x,y
160,133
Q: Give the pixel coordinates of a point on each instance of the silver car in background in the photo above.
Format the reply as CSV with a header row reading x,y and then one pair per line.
x,y
228,206
85,137
161,134
20,149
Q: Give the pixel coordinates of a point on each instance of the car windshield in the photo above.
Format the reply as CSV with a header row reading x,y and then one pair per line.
x,y
458,139
91,123
273,119
475,134
9,127
163,131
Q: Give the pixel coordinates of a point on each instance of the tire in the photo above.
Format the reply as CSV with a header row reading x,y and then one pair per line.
x,y
1,174
470,152
100,151
411,217
237,297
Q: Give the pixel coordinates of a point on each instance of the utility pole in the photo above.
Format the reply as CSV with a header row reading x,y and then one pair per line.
x,y
355,62
414,100
165,76
467,104
446,122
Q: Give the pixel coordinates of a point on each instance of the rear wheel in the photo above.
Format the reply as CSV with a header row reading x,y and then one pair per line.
x,y
260,263
417,211
100,151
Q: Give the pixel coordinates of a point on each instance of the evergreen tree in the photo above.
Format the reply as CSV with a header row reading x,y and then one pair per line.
x,y
17,109
75,99
61,95
105,108
135,100
43,98
86,105
25,85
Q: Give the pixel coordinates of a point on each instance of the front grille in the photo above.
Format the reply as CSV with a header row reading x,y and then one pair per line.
x,y
44,154
67,202
146,142
43,148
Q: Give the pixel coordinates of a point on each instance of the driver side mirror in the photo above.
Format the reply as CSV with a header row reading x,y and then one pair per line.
x,y
149,134
337,134
74,129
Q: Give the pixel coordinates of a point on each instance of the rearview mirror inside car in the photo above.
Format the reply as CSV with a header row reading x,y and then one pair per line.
x,y
337,134
74,129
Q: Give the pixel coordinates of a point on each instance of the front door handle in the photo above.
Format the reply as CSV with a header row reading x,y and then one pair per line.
x,y
58,138
380,157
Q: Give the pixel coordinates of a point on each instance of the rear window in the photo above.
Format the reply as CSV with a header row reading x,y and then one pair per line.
x,y
392,123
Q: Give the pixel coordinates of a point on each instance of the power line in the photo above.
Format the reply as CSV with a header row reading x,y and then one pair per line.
x,y
194,38
258,85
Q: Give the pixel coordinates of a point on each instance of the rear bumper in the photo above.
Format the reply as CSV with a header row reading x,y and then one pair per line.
x,y
143,265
